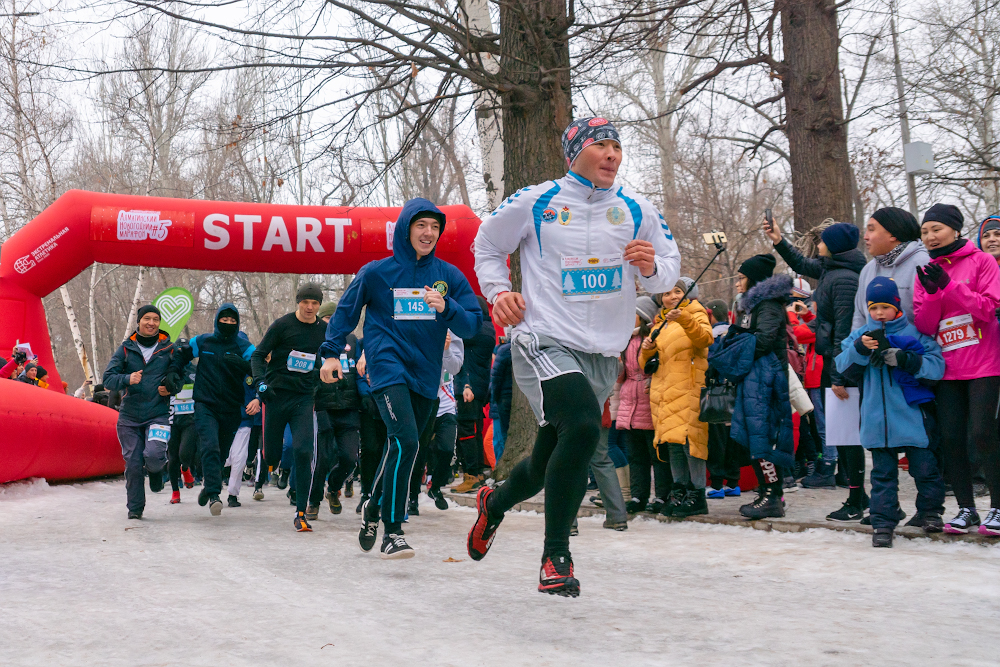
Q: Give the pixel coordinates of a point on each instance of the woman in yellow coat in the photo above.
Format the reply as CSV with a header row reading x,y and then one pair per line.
x,y
675,394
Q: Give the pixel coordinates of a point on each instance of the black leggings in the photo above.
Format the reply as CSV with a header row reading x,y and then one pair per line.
x,y
337,451
470,443
852,462
967,409
295,410
559,460
405,414
373,439
181,449
643,464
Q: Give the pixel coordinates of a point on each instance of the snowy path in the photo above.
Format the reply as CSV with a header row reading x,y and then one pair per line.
x,y
81,585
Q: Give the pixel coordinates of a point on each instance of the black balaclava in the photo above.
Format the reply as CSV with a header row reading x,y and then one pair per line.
x,y
227,331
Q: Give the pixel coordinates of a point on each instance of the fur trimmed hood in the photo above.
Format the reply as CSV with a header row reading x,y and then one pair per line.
x,y
777,287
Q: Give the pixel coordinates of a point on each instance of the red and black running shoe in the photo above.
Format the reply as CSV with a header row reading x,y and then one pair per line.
x,y
187,477
556,576
175,497
484,530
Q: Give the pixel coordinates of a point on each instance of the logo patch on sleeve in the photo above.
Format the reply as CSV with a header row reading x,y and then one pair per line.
x,y
442,287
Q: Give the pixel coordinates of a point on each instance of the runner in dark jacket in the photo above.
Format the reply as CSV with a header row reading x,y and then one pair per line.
x,y
138,369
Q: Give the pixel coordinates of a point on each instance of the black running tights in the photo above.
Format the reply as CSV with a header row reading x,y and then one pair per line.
x,y
559,460
967,409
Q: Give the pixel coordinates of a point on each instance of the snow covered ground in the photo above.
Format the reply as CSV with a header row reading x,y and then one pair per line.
x,y
81,585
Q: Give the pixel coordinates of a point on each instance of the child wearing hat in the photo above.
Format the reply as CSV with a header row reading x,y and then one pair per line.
x,y
892,358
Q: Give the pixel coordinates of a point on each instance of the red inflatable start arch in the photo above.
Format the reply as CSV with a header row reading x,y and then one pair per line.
x,y
46,434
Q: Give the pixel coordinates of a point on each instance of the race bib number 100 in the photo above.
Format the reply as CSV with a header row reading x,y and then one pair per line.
x,y
408,304
591,278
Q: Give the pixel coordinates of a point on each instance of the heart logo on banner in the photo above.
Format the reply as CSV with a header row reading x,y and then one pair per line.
x,y
173,307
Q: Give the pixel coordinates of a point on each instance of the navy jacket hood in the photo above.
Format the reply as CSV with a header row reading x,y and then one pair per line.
x,y
402,249
218,314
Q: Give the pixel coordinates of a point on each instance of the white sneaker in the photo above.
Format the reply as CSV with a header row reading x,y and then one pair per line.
x,y
991,524
966,519
395,547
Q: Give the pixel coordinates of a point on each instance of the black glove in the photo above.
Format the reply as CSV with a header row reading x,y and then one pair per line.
x,y
172,381
237,362
933,277
909,362
20,356
860,346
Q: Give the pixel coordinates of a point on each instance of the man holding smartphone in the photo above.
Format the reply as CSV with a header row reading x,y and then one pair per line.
x,y
584,242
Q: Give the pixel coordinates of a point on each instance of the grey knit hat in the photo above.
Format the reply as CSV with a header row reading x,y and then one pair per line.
x,y
646,309
684,283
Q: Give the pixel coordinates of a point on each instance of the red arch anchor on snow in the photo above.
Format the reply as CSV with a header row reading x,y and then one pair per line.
x,y
53,436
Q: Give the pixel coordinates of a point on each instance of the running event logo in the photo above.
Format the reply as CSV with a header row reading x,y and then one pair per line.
x,y
172,228
140,225
549,215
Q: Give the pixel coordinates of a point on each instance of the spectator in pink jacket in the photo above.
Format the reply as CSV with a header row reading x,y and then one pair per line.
x,y
635,420
955,298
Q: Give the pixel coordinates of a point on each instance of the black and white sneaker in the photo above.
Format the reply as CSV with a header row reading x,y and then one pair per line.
x,y
258,493
846,513
394,547
215,504
967,518
369,529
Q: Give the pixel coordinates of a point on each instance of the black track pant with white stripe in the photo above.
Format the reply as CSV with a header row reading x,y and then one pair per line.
x,y
405,414
295,410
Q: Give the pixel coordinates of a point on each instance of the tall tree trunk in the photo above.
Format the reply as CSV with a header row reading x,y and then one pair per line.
x,y
74,328
130,324
535,56
98,373
817,136
488,115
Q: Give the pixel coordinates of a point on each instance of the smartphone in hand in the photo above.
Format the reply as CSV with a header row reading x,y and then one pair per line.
x,y
770,219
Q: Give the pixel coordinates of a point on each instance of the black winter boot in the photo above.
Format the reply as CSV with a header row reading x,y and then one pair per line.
x,y
821,478
694,504
768,504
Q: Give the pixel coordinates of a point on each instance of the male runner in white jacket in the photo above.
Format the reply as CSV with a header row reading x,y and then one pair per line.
x,y
584,241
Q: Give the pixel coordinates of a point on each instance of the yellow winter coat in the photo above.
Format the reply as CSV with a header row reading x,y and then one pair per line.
x,y
675,391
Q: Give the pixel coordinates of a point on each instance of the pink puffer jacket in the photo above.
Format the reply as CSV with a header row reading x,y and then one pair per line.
x,y
633,409
962,316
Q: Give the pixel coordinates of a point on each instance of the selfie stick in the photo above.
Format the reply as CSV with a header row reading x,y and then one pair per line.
x,y
719,241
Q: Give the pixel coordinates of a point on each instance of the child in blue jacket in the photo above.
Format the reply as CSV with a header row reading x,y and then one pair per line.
x,y
893,358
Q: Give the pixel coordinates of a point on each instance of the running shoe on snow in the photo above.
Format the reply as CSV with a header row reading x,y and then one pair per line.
x,y
135,515
175,497
312,512
215,504
187,477
991,525
847,512
301,524
556,576
369,529
233,501
967,518
258,493
714,493
334,499
484,530
732,492
394,547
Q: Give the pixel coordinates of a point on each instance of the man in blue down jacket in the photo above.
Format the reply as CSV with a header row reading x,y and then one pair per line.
x,y
412,299
138,370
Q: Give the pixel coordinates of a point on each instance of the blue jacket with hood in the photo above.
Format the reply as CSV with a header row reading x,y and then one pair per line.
x,y
404,351
887,419
141,402
223,363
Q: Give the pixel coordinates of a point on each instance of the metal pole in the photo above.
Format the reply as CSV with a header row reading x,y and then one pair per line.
x,y
904,121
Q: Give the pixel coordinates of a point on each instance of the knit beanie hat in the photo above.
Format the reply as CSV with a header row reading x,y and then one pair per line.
x,y
646,309
883,291
758,268
840,237
148,308
685,283
801,288
327,309
990,223
946,214
41,373
719,310
583,132
898,222
309,291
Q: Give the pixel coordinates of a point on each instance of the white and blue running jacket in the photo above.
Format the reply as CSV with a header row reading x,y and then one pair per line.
x,y
570,217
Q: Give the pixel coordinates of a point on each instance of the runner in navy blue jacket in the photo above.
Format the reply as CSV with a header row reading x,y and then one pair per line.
x,y
412,299
223,362
139,369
